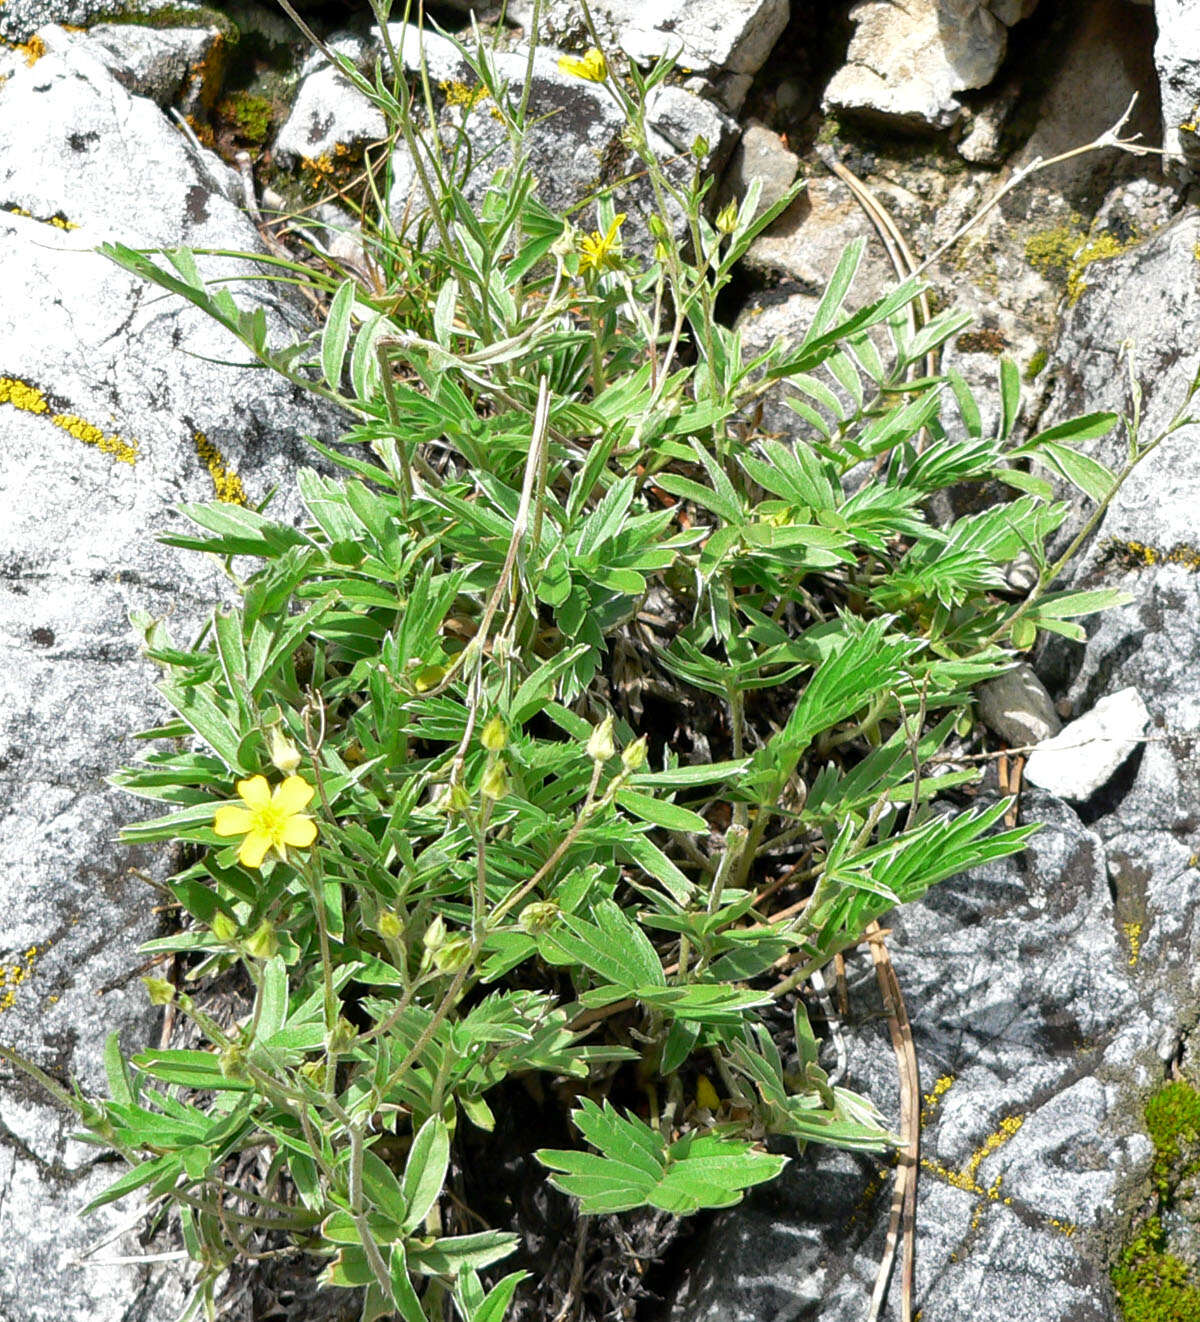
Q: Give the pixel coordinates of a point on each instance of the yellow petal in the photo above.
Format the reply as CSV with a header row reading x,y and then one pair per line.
x,y
293,795
229,819
254,849
255,791
298,831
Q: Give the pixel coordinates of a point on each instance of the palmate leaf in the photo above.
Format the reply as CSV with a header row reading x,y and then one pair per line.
x,y
636,1167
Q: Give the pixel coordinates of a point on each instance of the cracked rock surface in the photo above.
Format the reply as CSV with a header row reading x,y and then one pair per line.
x,y
99,429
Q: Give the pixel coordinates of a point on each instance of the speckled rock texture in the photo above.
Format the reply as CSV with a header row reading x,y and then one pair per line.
x,y
907,63
1177,58
105,391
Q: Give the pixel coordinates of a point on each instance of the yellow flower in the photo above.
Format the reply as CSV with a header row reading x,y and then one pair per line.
x,y
270,820
596,249
593,66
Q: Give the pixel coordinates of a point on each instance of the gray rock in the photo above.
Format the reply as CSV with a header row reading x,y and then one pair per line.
x,y
1018,708
1177,59
20,19
1024,1007
1085,755
760,155
329,112
906,64
574,145
105,430
705,36
164,64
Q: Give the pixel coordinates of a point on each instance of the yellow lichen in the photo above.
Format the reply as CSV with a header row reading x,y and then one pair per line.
x,y
933,1098
459,94
226,483
29,399
1140,553
1133,934
33,49
58,220
13,974
1066,251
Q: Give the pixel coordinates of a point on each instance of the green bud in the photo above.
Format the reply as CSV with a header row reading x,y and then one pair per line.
x,y
495,735
657,227
539,916
495,784
633,758
451,956
232,1061
600,745
160,991
262,944
389,925
700,147
285,756
343,1036
727,217
224,928
435,934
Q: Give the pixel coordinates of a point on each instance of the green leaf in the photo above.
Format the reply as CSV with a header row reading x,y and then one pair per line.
x,y
451,1254
425,1170
660,813
613,946
635,1167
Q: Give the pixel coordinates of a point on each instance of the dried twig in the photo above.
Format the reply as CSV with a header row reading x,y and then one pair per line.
x,y
902,1218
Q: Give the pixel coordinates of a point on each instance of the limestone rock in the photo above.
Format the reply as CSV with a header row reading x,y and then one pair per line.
x,y
1177,58
105,429
1084,755
907,63
1018,708
165,64
1023,1001
708,37
760,155
329,112
20,19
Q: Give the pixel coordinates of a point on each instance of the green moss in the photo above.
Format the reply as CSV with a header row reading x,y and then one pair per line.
x,y
1173,1123
172,16
1036,365
1153,1285
1064,253
250,115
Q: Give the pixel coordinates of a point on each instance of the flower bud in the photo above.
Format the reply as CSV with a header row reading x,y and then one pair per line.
x,y
495,735
343,1036
495,784
633,758
727,217
160,991
451,956
262,943
285,756
539,916
700,147
435,934
389,925
706,1094
600,745
224,928
658,228
232,1062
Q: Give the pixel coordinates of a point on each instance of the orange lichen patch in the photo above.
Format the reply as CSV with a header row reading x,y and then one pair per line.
x,y
226,483
29,399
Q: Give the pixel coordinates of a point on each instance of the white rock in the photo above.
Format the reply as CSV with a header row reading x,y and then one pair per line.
x,y
705,36
1177,59
328,113
1017,707
161,63
1084,755
908,62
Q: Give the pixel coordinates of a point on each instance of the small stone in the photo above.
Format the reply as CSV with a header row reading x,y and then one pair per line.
x,y
1017,707
761,155
1083,756
328,113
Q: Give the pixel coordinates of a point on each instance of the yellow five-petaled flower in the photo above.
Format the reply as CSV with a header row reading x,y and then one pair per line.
x,y
596,250
593,66
270,819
